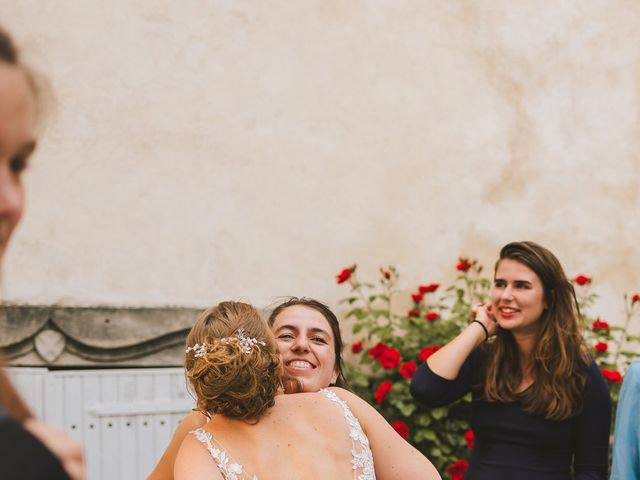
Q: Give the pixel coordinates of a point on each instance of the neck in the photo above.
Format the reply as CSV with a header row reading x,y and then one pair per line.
x,y
525,343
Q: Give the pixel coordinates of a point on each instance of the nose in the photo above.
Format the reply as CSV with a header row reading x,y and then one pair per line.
x,y
301,344
507,294
10,194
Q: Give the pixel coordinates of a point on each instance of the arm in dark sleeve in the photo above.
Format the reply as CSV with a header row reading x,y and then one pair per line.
x,y
435,391
592,449
23,457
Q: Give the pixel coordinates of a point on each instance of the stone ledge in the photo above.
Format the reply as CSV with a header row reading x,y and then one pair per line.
x,y
67,337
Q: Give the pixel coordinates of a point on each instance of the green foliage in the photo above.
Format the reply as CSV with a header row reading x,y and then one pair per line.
x,y
437,316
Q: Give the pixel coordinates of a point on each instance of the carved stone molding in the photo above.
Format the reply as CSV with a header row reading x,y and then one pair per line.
x,y
68,337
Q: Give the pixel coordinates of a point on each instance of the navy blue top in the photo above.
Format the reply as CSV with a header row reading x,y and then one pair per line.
x,y
23,456
511,444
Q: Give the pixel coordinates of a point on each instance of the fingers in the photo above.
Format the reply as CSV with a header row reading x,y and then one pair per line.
x,y
73,460
484,313
476,308
75,469
68,451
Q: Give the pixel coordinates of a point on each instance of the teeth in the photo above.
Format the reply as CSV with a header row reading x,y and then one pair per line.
x,y
300,364
508,310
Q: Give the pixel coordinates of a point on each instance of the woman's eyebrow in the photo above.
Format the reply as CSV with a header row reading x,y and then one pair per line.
x,y
288,327
320,330
26,149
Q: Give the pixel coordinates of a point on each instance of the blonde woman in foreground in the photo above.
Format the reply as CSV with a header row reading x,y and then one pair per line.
x,y
255,432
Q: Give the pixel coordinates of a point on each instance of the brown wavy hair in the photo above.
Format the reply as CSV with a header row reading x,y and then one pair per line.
x,y
226,379
559,355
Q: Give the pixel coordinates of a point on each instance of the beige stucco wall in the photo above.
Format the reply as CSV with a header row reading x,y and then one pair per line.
x,y
200,151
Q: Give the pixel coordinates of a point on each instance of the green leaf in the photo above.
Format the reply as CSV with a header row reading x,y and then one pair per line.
x,y
439,413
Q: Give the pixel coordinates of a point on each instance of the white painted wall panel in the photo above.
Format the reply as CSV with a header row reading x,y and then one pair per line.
x,y
124,418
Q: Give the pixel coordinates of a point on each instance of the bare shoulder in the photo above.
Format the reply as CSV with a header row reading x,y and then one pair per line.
x,y
357,404
194,462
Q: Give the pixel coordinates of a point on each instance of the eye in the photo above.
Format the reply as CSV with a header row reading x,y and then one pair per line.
x,y
319,340
499,283
285,336
523,285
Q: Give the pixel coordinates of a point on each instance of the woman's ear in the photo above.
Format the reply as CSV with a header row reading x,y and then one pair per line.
x,y
334,377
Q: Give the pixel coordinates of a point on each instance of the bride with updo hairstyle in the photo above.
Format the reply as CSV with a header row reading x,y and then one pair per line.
x,y
256,432
230,377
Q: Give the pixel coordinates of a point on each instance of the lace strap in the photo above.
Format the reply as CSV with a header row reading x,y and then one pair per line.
x,y
229,469
361,456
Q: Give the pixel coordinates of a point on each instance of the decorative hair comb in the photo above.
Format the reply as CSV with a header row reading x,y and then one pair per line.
x,y
247,343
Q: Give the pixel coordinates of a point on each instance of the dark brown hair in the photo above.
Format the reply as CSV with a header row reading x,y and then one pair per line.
x,y
332,320
9,398
559,354
227,379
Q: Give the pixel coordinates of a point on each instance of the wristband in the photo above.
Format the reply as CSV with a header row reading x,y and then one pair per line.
x,y
486,332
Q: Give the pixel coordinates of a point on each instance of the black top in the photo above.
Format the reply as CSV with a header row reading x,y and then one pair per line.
x,y
511,444
23,456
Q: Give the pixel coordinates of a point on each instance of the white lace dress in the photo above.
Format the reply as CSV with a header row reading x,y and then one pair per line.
x,y
361,457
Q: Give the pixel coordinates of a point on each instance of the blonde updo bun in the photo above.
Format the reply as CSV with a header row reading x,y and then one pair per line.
x,y
226,379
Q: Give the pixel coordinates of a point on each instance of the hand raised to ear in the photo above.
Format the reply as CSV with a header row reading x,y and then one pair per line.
x,y
484,314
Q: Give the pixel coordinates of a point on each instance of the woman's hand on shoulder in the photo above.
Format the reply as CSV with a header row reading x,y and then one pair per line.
x,y
164,468
68,451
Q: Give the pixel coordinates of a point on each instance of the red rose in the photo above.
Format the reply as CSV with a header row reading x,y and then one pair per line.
x,y
635,298
458,469
382,391
390,358
463,264
345,274
432,287
356,347
387,275
598,325
432,316
469,436
414,313
601,347
417,297
402,428
408,369
376,352
427,352
582,279
612,375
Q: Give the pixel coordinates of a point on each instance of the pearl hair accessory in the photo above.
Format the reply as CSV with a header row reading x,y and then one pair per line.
x,y
198,350
247,343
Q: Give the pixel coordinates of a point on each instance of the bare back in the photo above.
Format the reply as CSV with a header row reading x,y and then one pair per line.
x,y
306,435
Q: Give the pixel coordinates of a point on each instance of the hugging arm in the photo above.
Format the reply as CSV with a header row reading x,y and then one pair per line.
x,y
393,457
164,468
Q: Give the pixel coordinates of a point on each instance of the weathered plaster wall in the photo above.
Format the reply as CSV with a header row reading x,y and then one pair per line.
x,y
199,151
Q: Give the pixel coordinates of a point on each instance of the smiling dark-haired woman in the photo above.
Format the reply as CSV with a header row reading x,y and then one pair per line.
x,y
540,408
29,449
